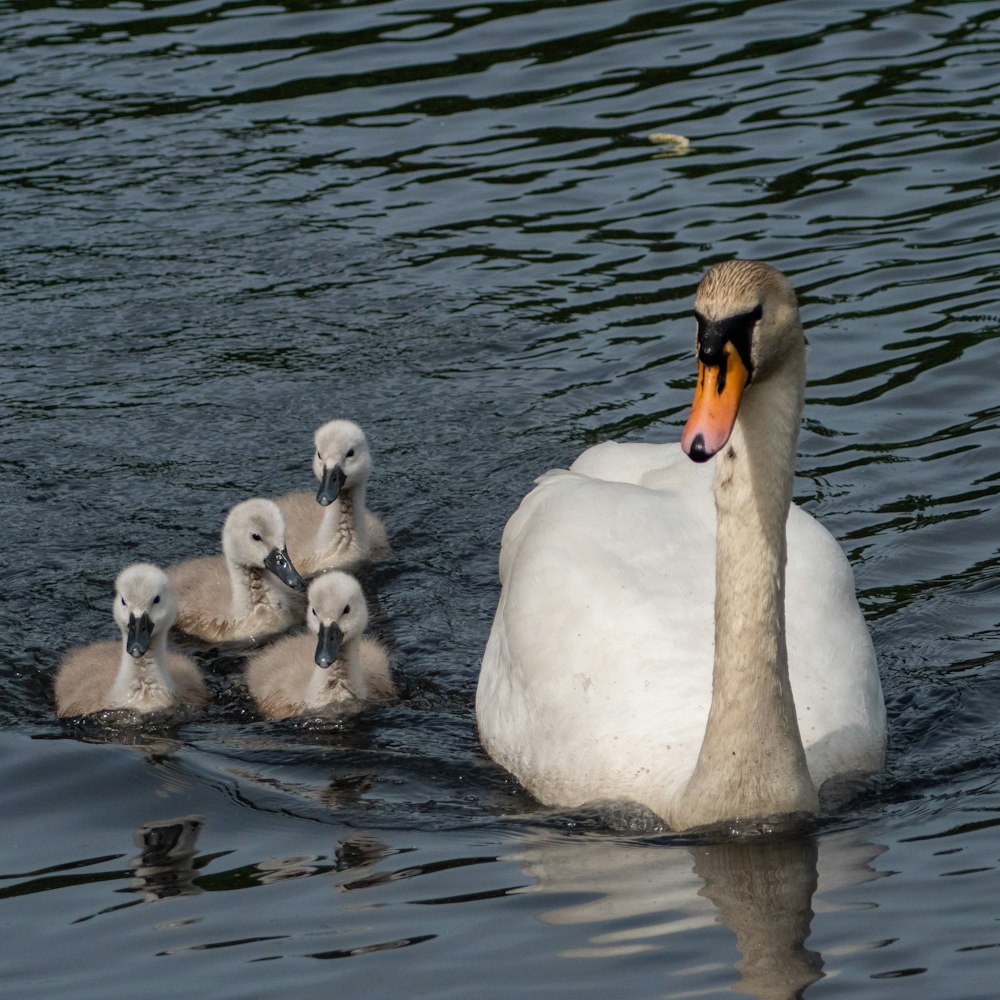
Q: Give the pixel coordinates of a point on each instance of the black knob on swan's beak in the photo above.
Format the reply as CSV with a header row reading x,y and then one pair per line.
x,y
698,451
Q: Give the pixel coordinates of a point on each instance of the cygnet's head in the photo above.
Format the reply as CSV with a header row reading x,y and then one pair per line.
x,y
254,536
338,612
144,605
341,459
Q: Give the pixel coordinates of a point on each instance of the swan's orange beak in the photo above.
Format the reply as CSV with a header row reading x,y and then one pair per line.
x,y
716,403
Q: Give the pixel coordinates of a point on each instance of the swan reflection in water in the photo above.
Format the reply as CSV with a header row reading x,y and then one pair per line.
x,y
761,888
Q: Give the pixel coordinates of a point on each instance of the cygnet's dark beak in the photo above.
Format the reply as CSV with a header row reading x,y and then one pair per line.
x,y
330,487
280,565
328,644
139,632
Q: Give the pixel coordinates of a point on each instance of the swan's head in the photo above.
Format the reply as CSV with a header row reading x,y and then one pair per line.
x,y
337,613
748,325
341,459
144,605
254,536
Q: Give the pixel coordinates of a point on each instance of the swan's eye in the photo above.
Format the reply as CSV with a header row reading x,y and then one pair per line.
x,y
124,605
350,454
314,613
347,609
156,600
256,537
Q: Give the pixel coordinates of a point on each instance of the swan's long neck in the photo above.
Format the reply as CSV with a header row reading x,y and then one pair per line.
x,y
144,682
345,523
752,762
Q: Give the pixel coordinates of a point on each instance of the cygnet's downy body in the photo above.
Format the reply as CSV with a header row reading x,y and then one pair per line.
x,y
250,592
138,672
333,667
333,529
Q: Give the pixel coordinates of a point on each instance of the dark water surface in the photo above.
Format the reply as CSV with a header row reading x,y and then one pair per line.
x,y
224,223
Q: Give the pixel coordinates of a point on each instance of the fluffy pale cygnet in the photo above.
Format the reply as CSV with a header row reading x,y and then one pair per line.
x,y
138,672
249,592
333,667
334,529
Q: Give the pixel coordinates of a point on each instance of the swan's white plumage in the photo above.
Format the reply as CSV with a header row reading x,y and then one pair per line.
x,y
596,681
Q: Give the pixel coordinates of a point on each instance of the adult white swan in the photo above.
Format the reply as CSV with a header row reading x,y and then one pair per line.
x,y
623,664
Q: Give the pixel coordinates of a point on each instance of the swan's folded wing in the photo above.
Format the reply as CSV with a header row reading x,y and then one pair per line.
x,y
831,659
584,671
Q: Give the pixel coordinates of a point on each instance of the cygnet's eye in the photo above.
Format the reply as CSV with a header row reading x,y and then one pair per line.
x,y
314,613
156,600
350,454
347,609
256,537
124,605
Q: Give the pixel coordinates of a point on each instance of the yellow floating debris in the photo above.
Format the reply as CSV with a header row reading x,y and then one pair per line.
x,y
672,143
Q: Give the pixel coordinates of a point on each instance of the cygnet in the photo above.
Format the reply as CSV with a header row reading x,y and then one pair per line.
x,y
331,668
137,672
251,591
334,529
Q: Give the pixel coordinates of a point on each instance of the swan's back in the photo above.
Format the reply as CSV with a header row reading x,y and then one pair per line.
x,y
85,677
578,713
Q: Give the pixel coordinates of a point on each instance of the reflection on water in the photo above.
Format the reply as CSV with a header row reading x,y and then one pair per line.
x,y
764,896
761,889
342,792
164,867
765,915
